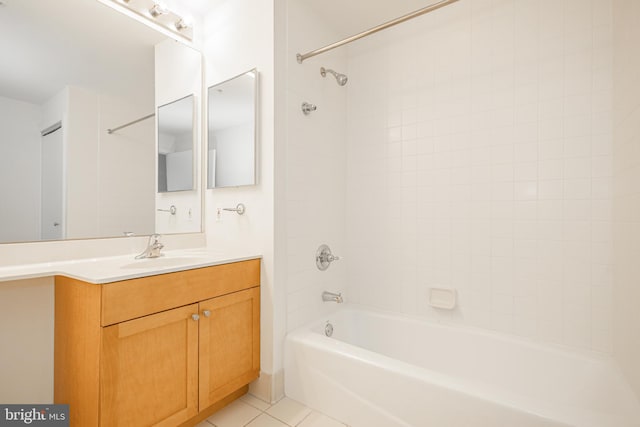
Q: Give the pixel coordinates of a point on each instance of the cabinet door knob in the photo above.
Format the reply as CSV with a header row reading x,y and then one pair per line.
x,y
207,313
195,317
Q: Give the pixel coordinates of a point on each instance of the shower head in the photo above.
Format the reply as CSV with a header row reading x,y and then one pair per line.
x,y
340,78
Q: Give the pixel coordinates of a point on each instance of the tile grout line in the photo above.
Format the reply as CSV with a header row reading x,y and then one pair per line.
x,y
264,411
282,421
307,416
253,419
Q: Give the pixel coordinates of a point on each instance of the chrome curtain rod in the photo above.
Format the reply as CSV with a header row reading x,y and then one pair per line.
x,y
110,131
373,30
51,129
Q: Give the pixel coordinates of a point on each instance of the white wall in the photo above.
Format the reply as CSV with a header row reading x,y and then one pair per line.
x,y
105,173
81,133
78,110
179,170
26,332
184,142
127,167
56,110
240,36
233,146
179,74
315,187
627,196
20,126
178,162
479,143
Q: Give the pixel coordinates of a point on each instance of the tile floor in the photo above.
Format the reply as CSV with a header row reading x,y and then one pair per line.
x,y
250,411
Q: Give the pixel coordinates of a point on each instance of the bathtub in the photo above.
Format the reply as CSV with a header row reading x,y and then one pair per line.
x,y
380,369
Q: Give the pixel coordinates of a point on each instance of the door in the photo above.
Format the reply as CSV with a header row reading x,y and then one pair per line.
x,y
52,193
229,344
149,371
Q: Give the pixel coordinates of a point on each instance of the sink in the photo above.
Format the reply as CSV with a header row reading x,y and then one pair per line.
x,y
164,262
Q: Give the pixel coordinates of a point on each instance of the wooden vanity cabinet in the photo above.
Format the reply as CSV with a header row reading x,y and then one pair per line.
x,y
149,370
229,344
165,350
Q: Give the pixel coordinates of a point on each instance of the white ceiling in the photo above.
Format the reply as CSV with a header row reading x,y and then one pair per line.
x,y
232,103
46,45
349,17
192,9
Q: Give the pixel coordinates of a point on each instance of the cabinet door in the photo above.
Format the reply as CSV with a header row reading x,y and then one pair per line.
x,y
149,371
229,344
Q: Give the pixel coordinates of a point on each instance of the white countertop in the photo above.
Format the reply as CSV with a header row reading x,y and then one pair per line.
x,y
116,268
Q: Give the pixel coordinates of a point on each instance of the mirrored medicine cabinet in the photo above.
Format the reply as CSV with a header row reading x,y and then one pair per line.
x,y
231,148
176,145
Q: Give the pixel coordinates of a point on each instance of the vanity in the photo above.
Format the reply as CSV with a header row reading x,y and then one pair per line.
x,y
114,147
162,349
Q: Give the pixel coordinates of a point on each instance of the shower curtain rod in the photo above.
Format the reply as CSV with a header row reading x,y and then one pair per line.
x,y
370,31
110,131
51,129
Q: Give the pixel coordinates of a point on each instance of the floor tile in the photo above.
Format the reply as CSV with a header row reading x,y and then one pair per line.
x,y
237,414
265,420
316,419
255,402
204,424
289,411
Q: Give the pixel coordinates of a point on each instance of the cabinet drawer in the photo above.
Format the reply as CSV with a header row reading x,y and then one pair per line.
x,y
134,298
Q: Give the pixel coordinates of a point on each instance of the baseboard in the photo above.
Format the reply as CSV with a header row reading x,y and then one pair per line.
x,y
268,387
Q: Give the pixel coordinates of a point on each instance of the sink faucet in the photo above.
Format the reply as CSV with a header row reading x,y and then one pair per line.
x,y
153,248
331,297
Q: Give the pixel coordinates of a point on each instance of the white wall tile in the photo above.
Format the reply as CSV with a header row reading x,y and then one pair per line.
x,y
550,169
316,171
505,157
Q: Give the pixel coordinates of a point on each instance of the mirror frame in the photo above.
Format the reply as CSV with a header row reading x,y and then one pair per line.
x,y
256,101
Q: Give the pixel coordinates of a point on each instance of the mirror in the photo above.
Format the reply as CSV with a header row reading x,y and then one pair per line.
x,y
79,86
175,146
232,132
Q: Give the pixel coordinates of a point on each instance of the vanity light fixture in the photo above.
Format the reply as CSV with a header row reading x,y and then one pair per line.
x,y
155,11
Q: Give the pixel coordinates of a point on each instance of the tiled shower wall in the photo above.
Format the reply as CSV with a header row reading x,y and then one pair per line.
x,y
315,168
480,158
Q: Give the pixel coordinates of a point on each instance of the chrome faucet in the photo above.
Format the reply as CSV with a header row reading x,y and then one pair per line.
x,y
153,248
331,297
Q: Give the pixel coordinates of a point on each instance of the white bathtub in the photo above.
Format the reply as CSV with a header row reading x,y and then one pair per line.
x,y
384,370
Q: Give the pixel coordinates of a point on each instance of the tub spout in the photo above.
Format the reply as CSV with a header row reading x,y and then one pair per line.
x,y
331,297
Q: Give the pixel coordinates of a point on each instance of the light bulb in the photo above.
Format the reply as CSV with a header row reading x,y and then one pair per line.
x,y
157,10
181,24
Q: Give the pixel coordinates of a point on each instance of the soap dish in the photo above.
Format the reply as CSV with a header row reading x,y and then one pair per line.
x,y
442,298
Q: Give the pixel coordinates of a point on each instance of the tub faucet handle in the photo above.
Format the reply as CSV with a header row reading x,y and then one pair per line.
x,y
324,257
332,257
